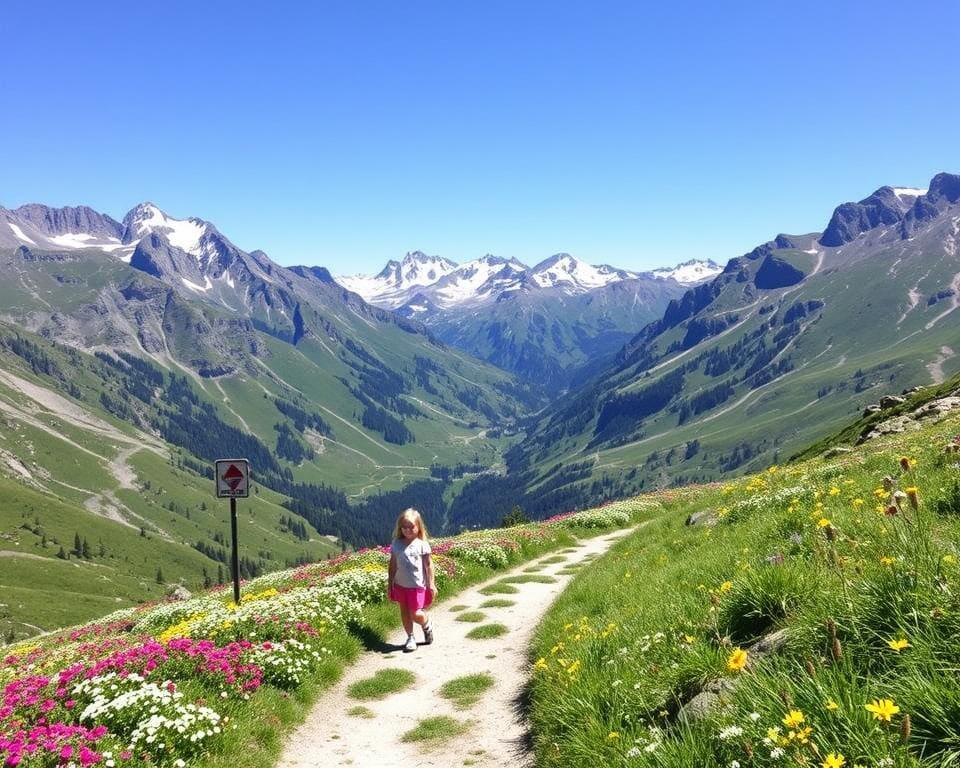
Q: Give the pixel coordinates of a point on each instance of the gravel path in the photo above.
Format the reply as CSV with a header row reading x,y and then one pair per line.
x,y
496,733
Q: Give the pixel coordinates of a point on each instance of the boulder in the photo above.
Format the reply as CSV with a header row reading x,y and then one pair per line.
x,y
888,401
179,592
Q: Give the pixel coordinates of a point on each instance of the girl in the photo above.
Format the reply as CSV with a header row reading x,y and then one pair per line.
x,y
410,580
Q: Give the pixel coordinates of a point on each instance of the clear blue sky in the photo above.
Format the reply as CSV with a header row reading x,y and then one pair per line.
x,y
344,134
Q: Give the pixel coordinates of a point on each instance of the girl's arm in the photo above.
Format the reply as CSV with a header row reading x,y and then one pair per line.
x,y
391,572
428,573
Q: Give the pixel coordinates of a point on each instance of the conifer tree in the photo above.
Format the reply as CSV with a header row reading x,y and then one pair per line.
x,y
159,575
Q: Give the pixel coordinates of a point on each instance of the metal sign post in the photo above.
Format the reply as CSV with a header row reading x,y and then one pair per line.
x,y
232,477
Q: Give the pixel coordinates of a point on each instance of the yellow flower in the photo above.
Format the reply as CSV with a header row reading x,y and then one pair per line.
x,y
737,660
823,522
541,663
725,587
887,560
834,491
689,639
832,705
773,733
834,760
572,669
793,718
882,709
899,645
949,559
612,735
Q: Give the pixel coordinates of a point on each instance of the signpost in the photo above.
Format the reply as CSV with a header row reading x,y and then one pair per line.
x,y
232,477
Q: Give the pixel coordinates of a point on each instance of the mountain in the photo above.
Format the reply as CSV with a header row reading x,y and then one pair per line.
x,y
551,324
790,340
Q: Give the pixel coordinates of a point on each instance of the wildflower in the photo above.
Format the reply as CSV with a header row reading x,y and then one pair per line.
x,y
793,718
949,559
737,660
832,705
898,645
824,522
754,716
725,587
731,732
887,560
777,752
913,497
834,491
882,709
834,760
613,735
541,663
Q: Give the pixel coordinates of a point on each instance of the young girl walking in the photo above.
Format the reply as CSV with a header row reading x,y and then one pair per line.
x,y
410,580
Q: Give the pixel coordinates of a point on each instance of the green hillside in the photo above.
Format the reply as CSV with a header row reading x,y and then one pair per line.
x,y
803,615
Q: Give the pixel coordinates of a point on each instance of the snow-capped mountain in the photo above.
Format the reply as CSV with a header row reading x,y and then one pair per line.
x,y
398,280
690,272
421,283
574,276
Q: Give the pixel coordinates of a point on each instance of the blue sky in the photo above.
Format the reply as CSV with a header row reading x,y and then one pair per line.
x,y
345,134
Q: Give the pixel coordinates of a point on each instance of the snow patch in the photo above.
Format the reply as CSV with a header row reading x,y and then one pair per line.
x,y
199,288
19,233
909,192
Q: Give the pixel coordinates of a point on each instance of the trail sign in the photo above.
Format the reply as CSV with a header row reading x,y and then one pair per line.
x,y
233,478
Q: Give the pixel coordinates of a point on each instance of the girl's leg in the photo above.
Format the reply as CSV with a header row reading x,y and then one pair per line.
x,y
423,620
406,618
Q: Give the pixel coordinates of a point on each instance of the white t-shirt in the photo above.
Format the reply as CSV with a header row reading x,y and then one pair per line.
x,y
409,559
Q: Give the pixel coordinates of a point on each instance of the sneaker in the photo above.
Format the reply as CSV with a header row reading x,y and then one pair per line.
x,y
410,645
428,633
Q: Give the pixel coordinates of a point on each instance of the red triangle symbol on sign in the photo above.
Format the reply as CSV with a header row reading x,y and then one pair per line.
x,y
232,477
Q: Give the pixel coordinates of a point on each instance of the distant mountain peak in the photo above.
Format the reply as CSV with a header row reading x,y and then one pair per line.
x,y
690,272
147,218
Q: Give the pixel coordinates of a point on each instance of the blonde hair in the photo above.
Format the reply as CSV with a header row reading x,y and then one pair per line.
x,y
414,516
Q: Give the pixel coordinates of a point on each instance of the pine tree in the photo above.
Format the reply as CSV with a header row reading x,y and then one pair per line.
x,y
85,549
62,554
206,579
159,575
77,545
219,574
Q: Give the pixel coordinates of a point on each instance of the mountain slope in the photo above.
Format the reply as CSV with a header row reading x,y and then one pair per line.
x,y
790,340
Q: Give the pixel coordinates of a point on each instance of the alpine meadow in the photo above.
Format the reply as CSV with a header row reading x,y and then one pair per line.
x,y
529,385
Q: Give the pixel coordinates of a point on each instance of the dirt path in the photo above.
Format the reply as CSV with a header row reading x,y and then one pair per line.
x,y
497,733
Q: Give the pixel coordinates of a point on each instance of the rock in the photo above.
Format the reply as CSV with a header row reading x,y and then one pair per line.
x,y
706,517
179,592
770,643
937,407
888,401
871,409
837,450
709,700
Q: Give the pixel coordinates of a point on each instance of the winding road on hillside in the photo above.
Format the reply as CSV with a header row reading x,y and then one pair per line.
x,y
497,733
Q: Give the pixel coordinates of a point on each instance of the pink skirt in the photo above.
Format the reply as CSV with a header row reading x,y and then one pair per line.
x,y
413,598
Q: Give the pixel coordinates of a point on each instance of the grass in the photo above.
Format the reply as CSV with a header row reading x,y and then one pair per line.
x,y
497,602
384,683
455,608
472,616
487,631
363,712
466,691
528,578
810,549
435,730
499,588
